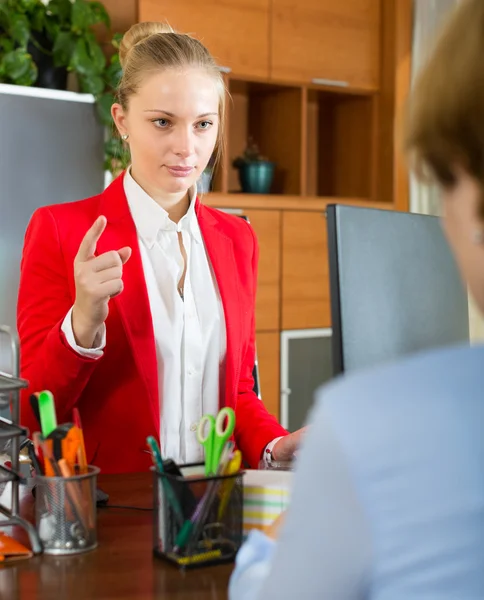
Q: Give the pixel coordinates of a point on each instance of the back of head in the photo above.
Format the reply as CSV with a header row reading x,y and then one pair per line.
x,y
445,119
149,46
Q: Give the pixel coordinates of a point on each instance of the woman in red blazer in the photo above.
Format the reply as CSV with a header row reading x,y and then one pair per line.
x,y
86,256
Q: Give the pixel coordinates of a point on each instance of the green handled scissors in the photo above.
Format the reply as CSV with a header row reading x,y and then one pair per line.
x,y
215,438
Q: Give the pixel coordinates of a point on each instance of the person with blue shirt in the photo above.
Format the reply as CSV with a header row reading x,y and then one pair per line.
x,y
388,498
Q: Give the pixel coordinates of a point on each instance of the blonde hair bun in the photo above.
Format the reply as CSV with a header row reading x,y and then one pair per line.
x,y
139,32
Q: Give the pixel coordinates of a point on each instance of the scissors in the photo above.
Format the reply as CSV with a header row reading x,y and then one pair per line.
x,y
215,439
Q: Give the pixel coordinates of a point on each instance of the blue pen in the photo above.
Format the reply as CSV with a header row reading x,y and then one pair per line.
x,y
170,494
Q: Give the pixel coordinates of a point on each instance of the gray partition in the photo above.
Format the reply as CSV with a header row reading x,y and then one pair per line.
x,y
51,151
395,287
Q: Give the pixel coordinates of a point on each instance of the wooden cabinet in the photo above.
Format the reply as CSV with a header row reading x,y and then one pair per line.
x,y
235,31
268,349
326,40
305,277
262,112
267,227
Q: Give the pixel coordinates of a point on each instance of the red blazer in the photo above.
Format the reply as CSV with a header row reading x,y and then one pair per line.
x,y
117,395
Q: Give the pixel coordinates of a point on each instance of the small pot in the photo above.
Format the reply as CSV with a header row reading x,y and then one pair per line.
x,y
256,177
49,76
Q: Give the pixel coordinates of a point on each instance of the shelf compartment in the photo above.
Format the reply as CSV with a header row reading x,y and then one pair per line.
x,y
272,115
340,144
9,430
9,383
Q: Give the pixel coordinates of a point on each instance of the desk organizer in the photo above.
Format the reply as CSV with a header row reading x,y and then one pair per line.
x,y
65,510
197,519
10,434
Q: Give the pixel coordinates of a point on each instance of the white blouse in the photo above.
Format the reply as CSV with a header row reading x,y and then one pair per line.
x,y
190,335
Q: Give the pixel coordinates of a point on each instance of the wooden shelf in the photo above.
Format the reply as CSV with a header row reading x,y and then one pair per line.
x,y
277,202
272,115
340,143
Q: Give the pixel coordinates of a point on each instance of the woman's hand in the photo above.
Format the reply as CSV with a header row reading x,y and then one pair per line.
x,y
285,448
97,279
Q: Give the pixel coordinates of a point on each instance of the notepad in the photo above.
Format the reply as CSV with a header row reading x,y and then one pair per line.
x,y
11,550
266,496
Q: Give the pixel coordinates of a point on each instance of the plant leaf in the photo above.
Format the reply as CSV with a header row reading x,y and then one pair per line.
x,y
63,48
38,18
103,106
19,67
81,15
27,5
6,44
80,60
97,55
116,41
62,10
100,13
20,29
30,77
113,74
91,84
116,155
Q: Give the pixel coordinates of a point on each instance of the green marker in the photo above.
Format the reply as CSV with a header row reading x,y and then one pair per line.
x,y
48,419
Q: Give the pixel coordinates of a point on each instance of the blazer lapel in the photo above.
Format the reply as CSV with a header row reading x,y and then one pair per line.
x,y
221,253
133,302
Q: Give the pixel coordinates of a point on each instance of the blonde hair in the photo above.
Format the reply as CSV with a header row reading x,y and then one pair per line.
x,y
445,118
149,46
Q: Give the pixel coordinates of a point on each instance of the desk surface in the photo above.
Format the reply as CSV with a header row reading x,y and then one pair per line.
x,y
122,567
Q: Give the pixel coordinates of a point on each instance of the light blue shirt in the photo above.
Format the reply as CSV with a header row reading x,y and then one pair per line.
x,y
388,500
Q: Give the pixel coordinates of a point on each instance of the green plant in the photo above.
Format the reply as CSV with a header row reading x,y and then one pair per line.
x,y
251,154
116,155
63,31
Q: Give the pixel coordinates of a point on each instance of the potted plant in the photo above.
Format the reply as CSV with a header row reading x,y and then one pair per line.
x,y
255,171
41,41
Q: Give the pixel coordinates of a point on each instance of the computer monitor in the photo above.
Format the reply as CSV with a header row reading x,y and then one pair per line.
x,y
395,287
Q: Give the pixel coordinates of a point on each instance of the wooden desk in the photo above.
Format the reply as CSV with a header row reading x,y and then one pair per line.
x,y
122,567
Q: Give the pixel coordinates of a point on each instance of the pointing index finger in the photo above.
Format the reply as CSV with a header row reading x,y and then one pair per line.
x,y
90,240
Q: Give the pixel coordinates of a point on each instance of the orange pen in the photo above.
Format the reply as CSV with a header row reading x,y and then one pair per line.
x,y
81,452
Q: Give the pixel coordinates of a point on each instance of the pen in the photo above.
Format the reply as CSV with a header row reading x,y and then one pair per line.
x,y
158,462
232,468
155,453
81,452
34,459
190,528
36,438
34,404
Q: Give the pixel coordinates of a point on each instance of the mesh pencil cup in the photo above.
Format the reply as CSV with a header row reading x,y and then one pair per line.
x,y
65,512
197,519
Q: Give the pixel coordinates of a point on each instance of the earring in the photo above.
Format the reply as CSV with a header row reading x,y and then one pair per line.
x,y
125,136
478,236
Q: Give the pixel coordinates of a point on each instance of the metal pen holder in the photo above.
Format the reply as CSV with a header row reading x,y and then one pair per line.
x,y
11,432
197,520
65,512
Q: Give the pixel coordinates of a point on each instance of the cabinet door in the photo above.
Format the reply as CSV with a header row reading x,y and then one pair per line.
x,y
305,276
306,363
268,346
235,31
267,227
326,40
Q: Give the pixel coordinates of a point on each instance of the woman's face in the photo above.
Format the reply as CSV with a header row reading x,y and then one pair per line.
x,y
172,122
465,232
